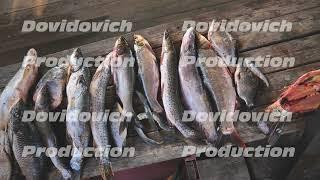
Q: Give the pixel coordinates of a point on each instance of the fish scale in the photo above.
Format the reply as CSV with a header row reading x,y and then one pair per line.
x,y
25,134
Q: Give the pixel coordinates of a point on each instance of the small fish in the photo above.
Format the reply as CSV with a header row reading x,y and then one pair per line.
x,y
193,93
247,84
148,71
18,87
99,123
47,97
223,43
122,68
78,102
170,87
26,134
219,83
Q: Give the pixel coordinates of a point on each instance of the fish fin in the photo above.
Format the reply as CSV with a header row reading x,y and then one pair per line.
x,y
257,72
161,122
106,170
145,138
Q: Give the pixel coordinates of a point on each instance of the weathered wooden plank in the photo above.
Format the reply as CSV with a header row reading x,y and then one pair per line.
x,y
223,169
11,7
261,11
171,149
140,12
308,165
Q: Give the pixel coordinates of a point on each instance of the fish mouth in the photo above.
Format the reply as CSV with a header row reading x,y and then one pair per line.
x,y
166,34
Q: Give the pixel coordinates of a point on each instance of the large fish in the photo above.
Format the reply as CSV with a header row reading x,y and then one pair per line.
x,y
18,87
26,134
219,83
193,93
99,123
78,104
48,96
247,84
122,67
148,71
170,87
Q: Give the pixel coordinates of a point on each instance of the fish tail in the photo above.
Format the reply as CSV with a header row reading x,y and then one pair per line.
x,y
106,170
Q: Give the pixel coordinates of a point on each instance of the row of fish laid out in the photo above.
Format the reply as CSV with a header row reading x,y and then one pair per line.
x,y
182,86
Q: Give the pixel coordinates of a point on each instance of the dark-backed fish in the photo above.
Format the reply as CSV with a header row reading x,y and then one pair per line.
x,y
48,96
219,83
26,134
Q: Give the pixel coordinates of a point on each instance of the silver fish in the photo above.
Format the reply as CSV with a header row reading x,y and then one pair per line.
x,y
122,68
170,87
18,87
148,71
193,93
78,102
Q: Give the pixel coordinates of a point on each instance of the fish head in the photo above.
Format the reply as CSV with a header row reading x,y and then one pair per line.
x,y
121,46
247,85
139,40
29,64
42,100
75,60
222,42
188,42
167,45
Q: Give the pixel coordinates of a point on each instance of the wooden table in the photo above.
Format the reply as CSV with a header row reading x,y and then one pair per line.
x,y
150,20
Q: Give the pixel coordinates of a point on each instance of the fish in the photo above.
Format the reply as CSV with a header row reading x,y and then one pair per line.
x,y
78,102
225,46
98,122
118,128
48,97
19,86
151,117
193,92
219,84
122,69
26,134
245,73
5,156
170,88
56,80
247,84
148,71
